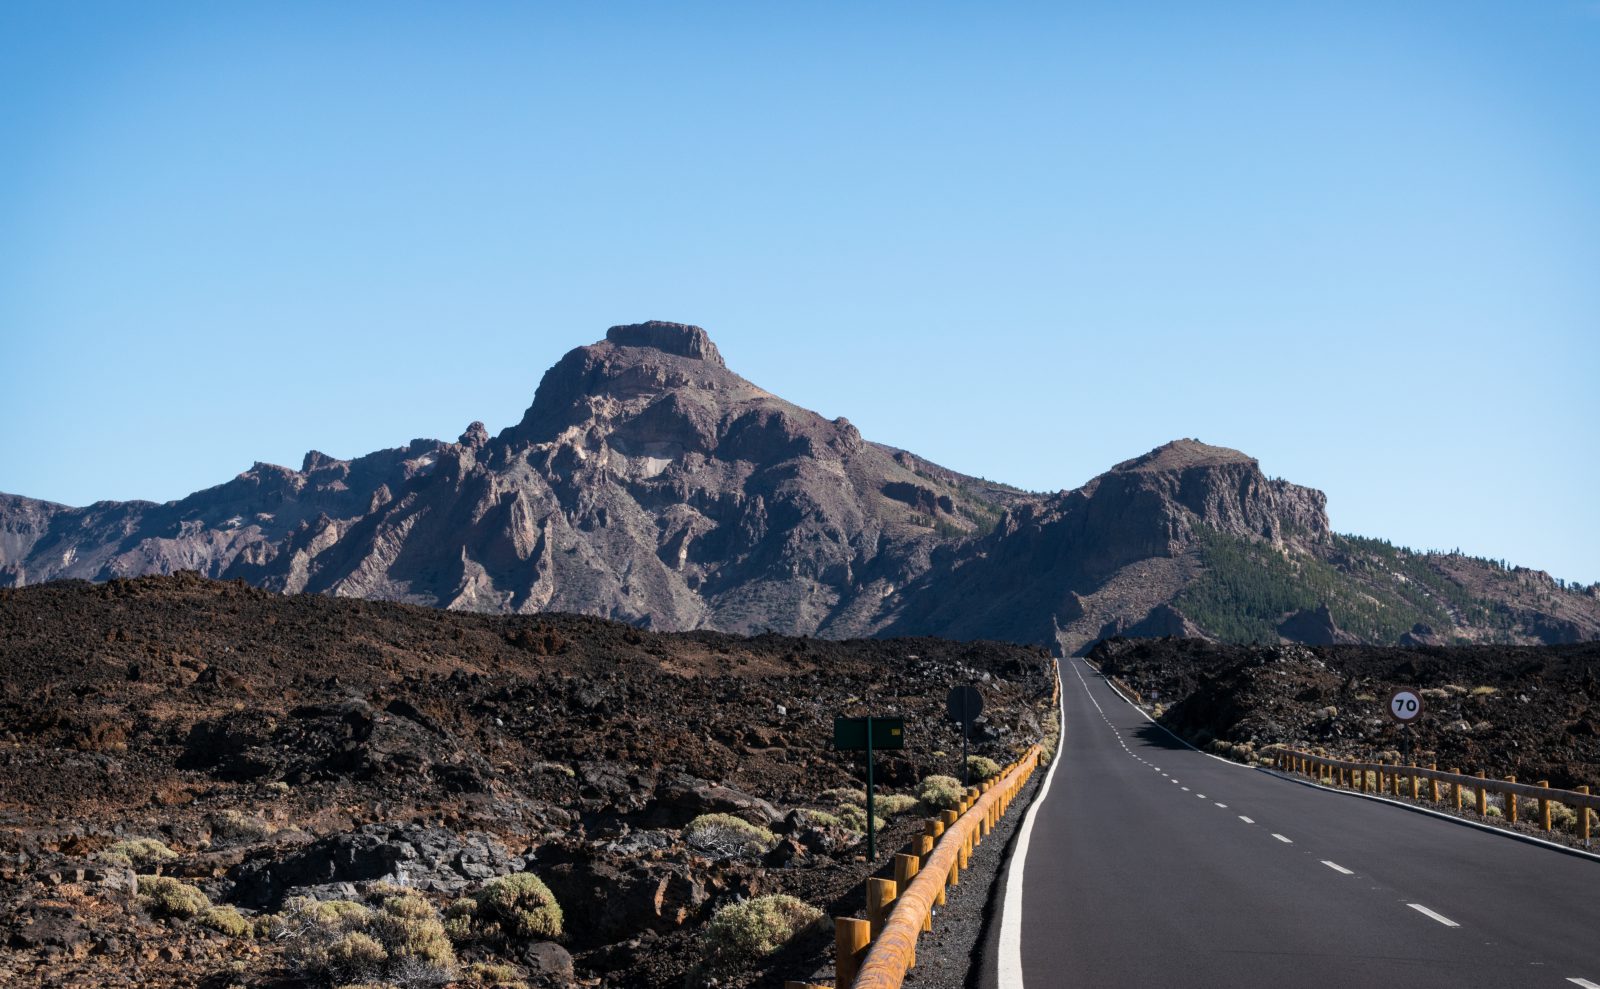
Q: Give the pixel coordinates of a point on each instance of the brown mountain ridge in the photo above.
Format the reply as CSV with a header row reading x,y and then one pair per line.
x,y
649,483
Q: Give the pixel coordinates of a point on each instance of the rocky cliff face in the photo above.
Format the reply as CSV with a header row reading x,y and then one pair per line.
x,y
649,483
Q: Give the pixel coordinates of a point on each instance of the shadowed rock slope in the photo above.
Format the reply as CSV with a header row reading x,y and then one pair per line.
x,y
649,483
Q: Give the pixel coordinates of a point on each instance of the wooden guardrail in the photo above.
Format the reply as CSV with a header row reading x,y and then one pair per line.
x,y
876,953
1382,777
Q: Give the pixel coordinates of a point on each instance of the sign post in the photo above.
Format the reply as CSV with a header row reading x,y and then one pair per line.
x,y
1406,707
869,733
964,704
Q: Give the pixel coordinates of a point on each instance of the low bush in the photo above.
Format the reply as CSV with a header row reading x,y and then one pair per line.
x,y
232,827
741,933
140,853
165,896
725,835
981,769
1485,691
519,906
226,920
402,942
940,792
820,818
1052,734
894,804
844,795
855,819
498,976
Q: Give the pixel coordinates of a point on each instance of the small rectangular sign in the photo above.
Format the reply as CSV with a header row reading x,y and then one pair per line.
x,y
851,733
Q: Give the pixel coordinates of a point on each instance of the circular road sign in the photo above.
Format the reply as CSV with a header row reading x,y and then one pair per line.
x,y
964,703
1405,706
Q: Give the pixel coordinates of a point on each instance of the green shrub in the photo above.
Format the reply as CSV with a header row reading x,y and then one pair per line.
x,y
855,819
821,818
169,897
518,906
141,853
894,804
940,792
226,920
1052,734
231,827
844,795
498,976
727,835
355,955
982,769
402,941
741,933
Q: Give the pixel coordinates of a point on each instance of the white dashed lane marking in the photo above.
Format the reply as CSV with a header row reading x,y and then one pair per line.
x,y
1336,867
1441,918
1245,819
1585,983
1281,838
1223,806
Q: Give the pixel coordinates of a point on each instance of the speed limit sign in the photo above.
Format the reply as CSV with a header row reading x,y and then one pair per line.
x,y
1405,706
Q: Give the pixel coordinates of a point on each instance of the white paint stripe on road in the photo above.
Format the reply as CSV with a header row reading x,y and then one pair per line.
x,y
1281,838
1184,789
1010,961
1222,805
1585,983
1441,918
1245,819
1201,796
1336,867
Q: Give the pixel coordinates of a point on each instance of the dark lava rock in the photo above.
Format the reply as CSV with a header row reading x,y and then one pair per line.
x,y
407,854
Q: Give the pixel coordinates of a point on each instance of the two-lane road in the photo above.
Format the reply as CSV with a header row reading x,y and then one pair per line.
x,y
1150,864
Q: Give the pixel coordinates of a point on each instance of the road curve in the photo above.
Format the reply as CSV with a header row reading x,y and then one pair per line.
x,y
1150,864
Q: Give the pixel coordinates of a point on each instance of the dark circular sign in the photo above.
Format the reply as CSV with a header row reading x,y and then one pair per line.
x,y
1405,706
964,703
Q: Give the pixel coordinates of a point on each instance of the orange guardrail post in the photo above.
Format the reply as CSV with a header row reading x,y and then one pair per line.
x,y
1483,798
1544,807
850,940
1383,781
880,894
1433,784
1511,802
1583,818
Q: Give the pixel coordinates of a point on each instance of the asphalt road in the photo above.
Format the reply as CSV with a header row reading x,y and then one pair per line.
x,y
1151,864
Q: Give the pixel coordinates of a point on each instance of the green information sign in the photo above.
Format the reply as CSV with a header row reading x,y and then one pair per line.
x,y
851,733
868,734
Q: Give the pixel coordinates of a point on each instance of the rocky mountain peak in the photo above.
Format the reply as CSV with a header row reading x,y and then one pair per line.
x,y
1184,454
476,437
671,338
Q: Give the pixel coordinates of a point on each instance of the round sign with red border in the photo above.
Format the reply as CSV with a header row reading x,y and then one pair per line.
x,y
1405,706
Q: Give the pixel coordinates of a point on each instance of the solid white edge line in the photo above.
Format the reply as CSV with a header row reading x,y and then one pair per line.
x,y
1336,867
1009,963
1441,918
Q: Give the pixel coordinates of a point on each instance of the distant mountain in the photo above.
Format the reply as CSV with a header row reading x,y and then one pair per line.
x,y
649,483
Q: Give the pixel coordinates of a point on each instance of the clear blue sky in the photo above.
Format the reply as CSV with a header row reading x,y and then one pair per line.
x,y
1358,241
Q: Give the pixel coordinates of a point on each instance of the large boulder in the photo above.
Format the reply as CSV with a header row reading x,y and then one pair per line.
x,y
413,855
